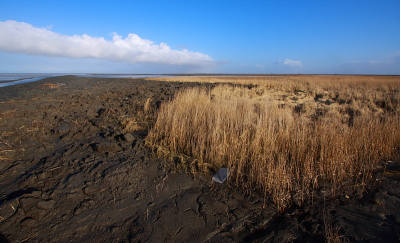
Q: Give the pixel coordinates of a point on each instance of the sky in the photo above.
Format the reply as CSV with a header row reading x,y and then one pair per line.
x,y
153,37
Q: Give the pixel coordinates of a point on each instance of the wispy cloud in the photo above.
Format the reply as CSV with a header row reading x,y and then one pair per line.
x,y
292,63
370,62
389,65
19,37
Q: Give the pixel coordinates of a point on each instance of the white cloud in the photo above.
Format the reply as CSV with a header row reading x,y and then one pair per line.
x,y
292,63
19,37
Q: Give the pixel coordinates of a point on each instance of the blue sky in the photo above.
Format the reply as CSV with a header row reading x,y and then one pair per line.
x,y
345,37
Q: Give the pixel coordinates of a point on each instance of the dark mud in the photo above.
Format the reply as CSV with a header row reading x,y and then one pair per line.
x,y
69,173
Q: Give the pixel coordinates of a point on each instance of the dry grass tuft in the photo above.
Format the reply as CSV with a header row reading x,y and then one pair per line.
x,y
52,86
131,125
144,118
147,105
286,142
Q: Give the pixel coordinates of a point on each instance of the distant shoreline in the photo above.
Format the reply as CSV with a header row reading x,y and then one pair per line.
x,y
27,77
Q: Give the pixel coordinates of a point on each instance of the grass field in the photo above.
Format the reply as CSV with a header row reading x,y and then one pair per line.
x,y
284,136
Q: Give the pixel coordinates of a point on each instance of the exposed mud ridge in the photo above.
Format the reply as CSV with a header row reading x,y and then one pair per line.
x,y
70,173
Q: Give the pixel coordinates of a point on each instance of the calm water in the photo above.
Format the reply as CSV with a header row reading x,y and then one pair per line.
x,y
7,79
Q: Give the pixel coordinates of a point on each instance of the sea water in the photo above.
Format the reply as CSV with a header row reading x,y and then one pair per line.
x,y
7,79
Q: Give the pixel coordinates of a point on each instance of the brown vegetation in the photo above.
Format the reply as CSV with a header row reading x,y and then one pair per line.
x,y
52,86
285,136
144,118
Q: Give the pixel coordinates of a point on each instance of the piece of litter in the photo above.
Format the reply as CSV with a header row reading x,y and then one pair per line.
x,y
221,175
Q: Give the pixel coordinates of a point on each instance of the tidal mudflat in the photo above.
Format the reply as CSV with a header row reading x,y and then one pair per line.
x,y
103,160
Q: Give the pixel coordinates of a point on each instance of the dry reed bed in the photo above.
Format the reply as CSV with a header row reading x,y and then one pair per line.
x,y
381,90
333,133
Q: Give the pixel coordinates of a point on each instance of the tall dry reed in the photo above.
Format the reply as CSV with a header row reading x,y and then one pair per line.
x,y
273,148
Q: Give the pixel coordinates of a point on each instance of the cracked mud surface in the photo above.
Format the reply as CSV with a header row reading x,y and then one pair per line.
x,y
69,173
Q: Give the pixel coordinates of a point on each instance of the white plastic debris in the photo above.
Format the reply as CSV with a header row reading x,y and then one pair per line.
x,y
221,175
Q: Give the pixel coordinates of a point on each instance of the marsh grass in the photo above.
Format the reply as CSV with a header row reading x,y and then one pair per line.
x,y
144,118
288,140
131,124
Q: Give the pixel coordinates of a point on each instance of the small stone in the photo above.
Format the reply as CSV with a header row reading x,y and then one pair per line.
x,y
46,204
129,137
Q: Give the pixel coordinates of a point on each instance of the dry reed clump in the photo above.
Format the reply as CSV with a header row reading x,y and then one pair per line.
x,y
143,120
52,86
272,148
131,124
